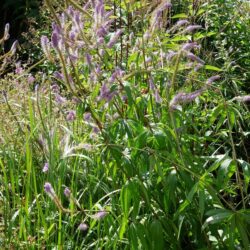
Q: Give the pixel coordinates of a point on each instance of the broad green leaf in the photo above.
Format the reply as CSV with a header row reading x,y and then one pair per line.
x,y
213,68
156,232
219,217
181,15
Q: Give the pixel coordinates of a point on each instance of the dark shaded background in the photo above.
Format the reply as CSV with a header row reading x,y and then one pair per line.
x,y
17,14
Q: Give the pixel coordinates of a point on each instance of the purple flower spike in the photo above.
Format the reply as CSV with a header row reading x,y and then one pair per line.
x,y
212,79
45,45
55,40
6,35
13,48
148,59
192,28
83,227
151,85
46,167
183,98
58,75
59,99
87,116
182,22
30,79
198,66
67,192
245,98
166,6
49,190
100,215
157,97
88,59
193,57
114,38
71,116
189,46
96,130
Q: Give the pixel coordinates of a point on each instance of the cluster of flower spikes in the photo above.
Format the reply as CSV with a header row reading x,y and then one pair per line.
x,y
72,44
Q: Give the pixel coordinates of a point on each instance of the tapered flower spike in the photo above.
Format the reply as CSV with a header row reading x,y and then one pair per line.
x,y
49,190
67,192
83,227
46,167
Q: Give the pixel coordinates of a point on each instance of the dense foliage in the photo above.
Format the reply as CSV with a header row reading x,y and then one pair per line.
x,y
132,130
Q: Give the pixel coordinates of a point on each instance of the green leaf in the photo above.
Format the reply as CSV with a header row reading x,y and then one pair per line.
x,y
156,232
181,15
246,171
129,95
213,68
221,215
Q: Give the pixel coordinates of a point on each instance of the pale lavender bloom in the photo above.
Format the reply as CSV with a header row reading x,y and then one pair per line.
x,y
198,66
55,88
71,116
6,35
101,32
72,35
56,28
19,69
119,72
70,11
88,59
182,22
131,36
124,98
98,70
146,35
212,79
100,215
86,5
58,75
67,192
113,77
30,79
189,46
148,59
170,55
245,98
83,227
105,93
157,97
63,18
59,99
166,6
13,48
151,85
72,58
55,40
45,45
46,167
108,14
87,116
76,100
192,28
193,57
87,146
114,38
77,18
102,52
49,190
95,130
183,98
